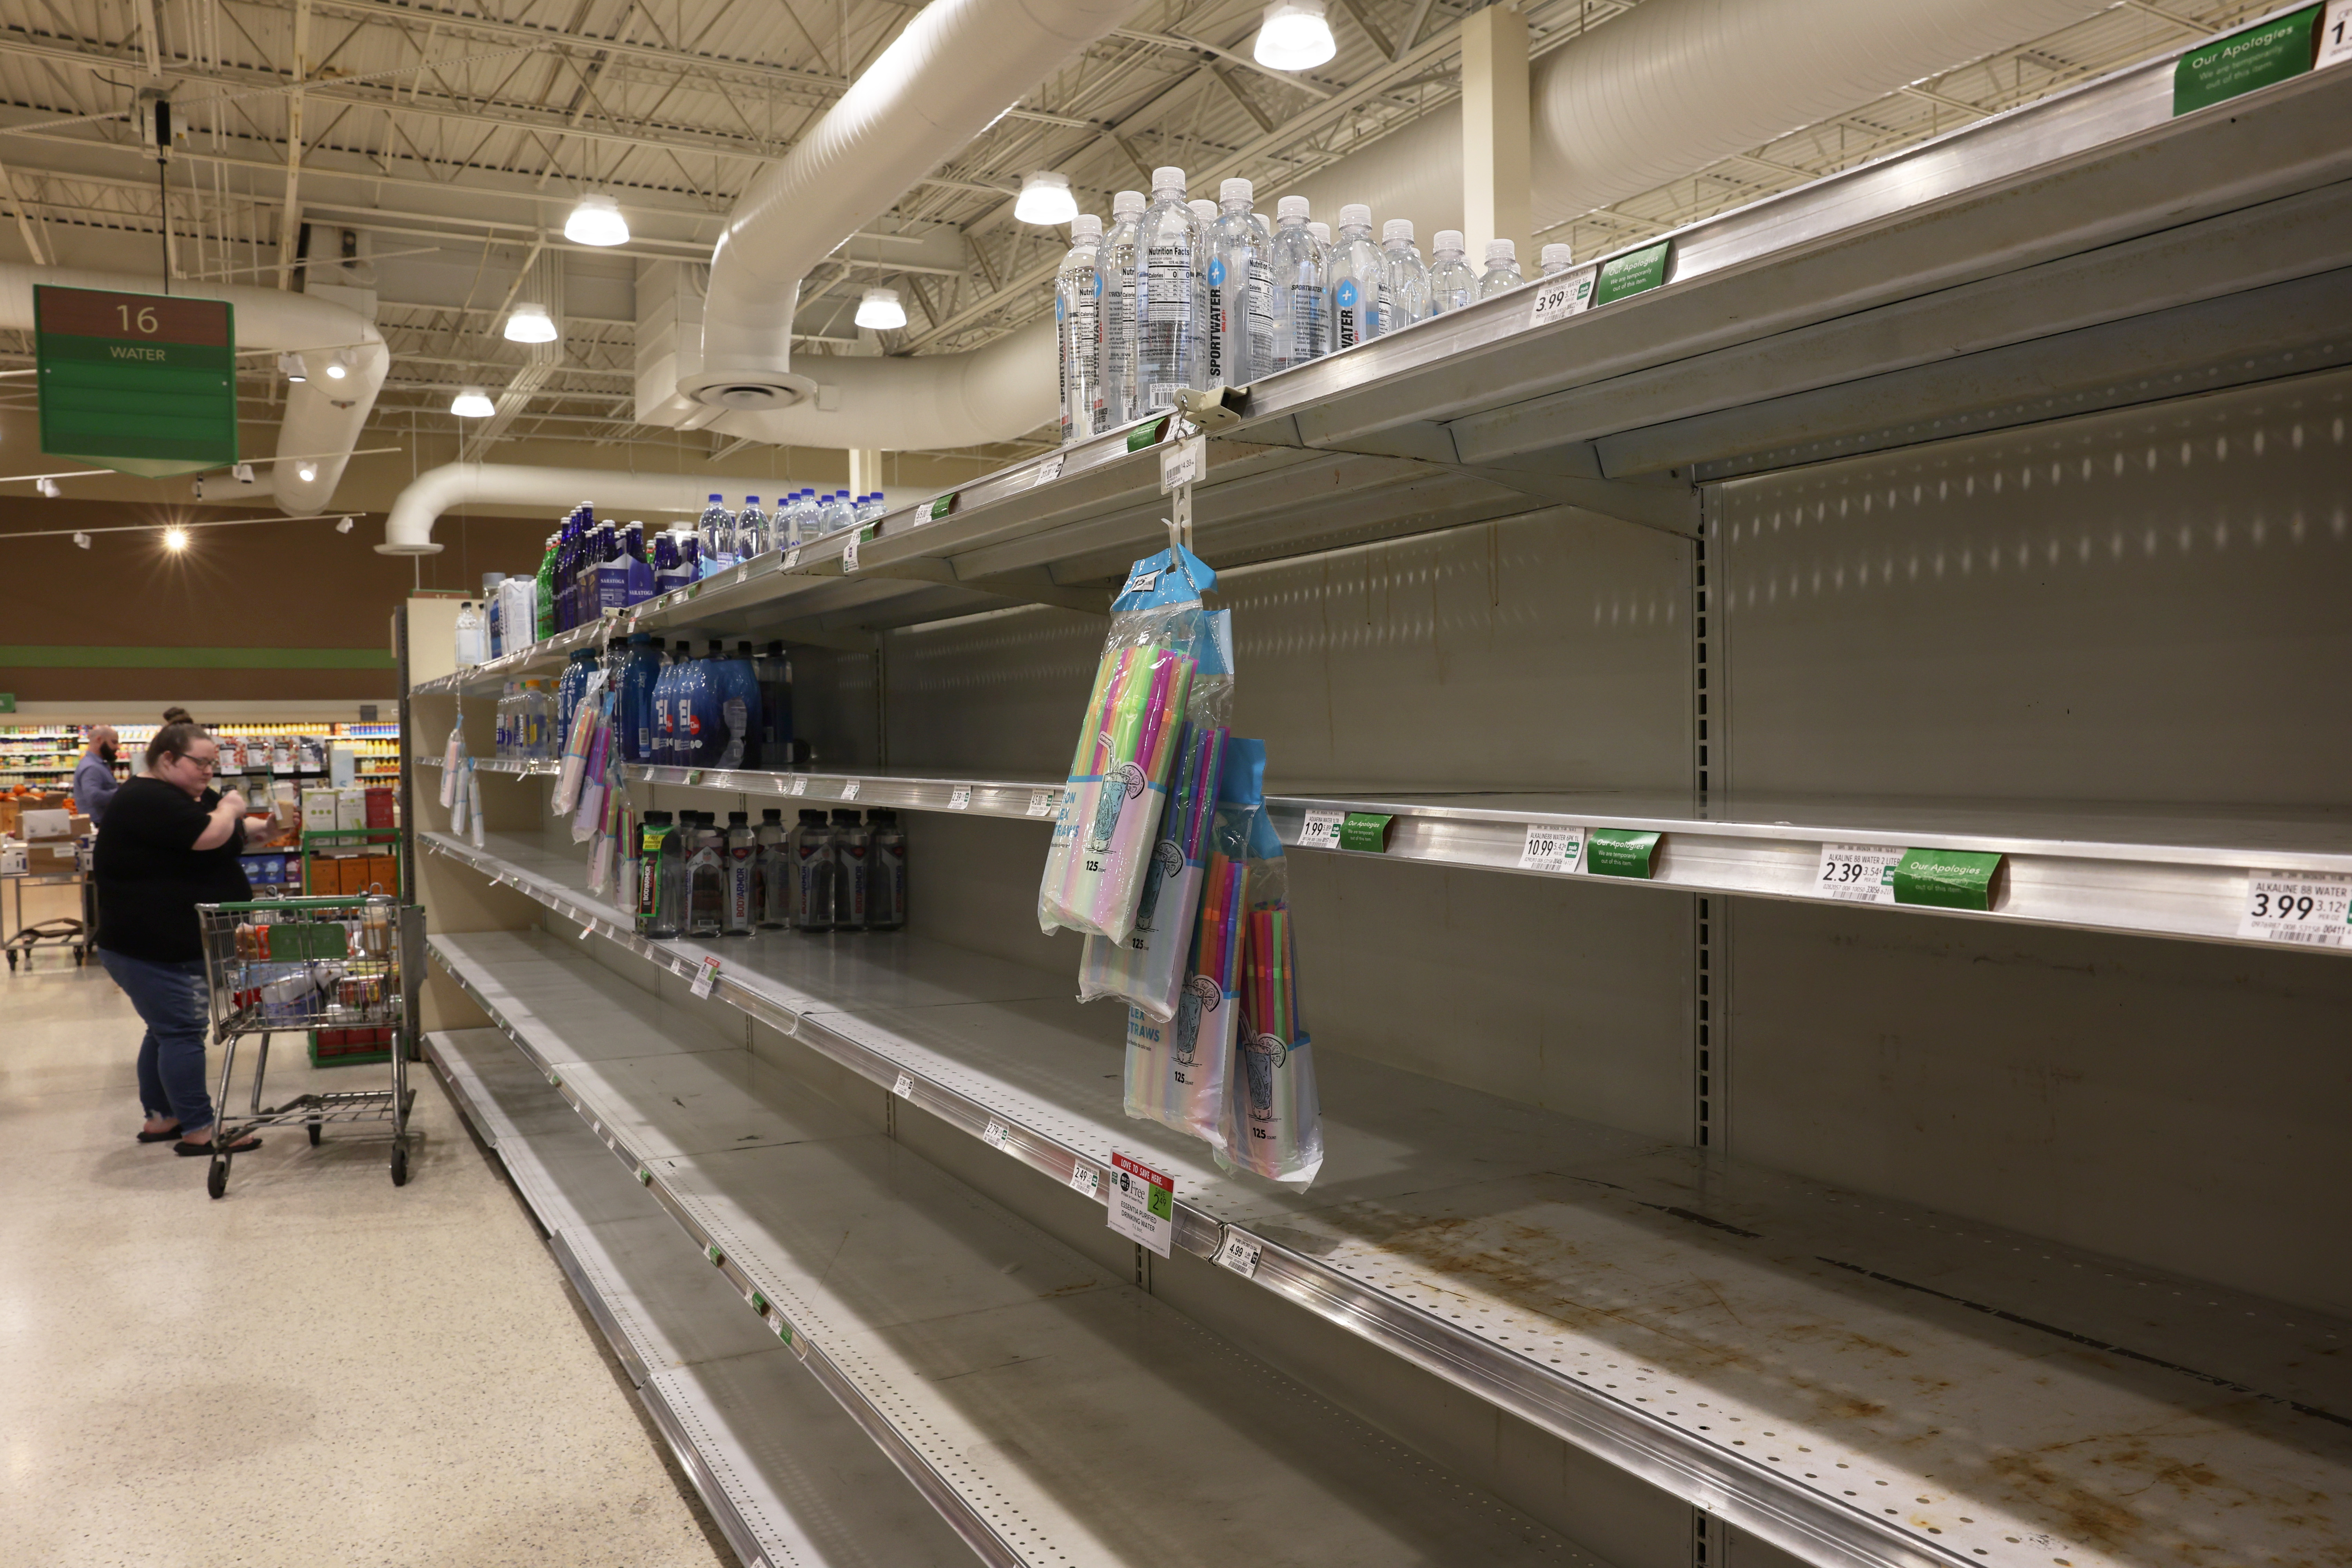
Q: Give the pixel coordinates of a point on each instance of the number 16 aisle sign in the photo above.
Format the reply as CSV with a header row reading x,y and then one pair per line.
x,y
141,384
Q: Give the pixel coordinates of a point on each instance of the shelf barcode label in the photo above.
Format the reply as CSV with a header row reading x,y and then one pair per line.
x,y
1047,471
1041,802
800,785
850,550
706,977
1559,298
959,797
1551,846
1321,830
1238,1253
2334,36
849,789
1857,873
905,1088
1180,464
792,557
1084,1178
997,1136
2308,909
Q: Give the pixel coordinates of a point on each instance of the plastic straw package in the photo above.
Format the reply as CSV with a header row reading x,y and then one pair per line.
x,y
1108,825
1273,1119
1177,1068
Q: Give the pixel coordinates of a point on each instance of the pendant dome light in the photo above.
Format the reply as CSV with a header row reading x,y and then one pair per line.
x,y
597,220
1046,199
1294,35
472,403
530,324
880,309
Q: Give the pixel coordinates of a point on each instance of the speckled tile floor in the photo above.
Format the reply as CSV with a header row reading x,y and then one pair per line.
x,y
321,1368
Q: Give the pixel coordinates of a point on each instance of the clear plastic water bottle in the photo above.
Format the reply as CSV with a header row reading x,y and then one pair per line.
x,y
1204,323
834,516
1557,259
813,872
1502,274
752,530
742,866
469,648
871,508
850,844
1404,280
799,519
772,882
1322,234
1078,329
716,529
1295,280
1167,296
1353,273
886,871
1118,259
1239,326
1451,284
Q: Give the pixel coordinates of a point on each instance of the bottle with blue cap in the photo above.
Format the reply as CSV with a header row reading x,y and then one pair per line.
x,y
1353,273
716,528
752,530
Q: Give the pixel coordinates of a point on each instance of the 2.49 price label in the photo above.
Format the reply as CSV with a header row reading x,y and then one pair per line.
x,y
2309,909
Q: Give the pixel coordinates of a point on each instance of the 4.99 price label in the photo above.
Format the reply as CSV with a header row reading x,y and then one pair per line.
x,y
2309,909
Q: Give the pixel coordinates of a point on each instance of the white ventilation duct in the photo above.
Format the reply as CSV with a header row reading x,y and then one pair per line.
x,y
1675,85
323,415
954,71
665,497
939,401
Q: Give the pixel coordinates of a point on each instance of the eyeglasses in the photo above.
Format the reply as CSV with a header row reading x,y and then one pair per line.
x,y
210,765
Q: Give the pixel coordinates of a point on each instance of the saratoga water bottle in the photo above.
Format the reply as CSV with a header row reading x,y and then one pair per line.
x,y
1405,282
1078,329
1166,301
1295,278
1119,260
1502,274
1353,273
1451,284
1238,325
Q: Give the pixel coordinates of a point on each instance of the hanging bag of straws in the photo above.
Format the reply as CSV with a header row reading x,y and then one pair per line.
x,y
1108,830
1273,1119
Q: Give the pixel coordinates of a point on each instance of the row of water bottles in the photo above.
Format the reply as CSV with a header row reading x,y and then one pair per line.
x,y
525,727
724,538
692,877
721,709
1180,293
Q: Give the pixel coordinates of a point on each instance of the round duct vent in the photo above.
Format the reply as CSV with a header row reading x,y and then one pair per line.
x,y
752,391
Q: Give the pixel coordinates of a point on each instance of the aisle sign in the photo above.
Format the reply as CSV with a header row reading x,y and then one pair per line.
x,y
1946,879
1619,852
1857,873
2269,52
704,977
1552,847
1561,296
1634,272
1143,1204
2310,909
141,384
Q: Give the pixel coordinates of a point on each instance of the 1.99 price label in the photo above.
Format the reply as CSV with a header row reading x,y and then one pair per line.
x,y
2308,909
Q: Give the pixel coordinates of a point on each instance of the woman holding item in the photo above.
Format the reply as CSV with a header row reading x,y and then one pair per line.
x,y
171,843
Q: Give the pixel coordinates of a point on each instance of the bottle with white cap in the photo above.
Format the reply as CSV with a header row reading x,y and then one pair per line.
x,y
1118,257
1352,274
1502,273
1167,323
1295,269
1078,329
1556,259
1404,280
1239,321
1451,284
1205,351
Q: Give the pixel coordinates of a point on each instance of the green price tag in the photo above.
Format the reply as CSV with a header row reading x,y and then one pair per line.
x,y
1619,852
941,507
1160,1202
2243,61
1365,831
694,775
1634,272
713,1254
759,1303
1148,434
1946,879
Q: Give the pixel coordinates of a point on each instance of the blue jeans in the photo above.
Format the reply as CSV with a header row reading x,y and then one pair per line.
x,y
171,1001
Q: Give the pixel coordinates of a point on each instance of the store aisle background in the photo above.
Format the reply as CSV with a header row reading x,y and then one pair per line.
x,y
319,1368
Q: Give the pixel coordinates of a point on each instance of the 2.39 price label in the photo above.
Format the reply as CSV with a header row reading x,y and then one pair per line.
x,y
2308,909
1857,873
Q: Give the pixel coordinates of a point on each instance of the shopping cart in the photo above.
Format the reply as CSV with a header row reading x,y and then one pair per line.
x,y
280,965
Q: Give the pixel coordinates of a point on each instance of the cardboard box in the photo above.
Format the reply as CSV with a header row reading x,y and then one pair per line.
x,y
351,808
45,823
380,801
318,809
326,876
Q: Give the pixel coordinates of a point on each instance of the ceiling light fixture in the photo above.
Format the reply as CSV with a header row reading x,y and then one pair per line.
x,y
175,539
530,324
597,220
338,366
1046,199
472,403
82,541
290,366
47,486
1294,35
345,526
880,309
306,472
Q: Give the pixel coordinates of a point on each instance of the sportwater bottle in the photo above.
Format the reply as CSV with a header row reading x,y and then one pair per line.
x,y
1502,274
1295,279
1167,299
1118,259
1353,273
1204,323
1405,282
1238,326
1451,284
1078,317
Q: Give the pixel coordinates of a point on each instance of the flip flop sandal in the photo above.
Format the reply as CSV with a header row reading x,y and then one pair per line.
x,y
171,1132
199,1151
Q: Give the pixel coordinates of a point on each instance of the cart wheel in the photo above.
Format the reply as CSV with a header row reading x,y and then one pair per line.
x,y
314,1136
216,1179
399,1165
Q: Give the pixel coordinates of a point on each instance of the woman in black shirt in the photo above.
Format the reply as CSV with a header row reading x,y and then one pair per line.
x,y
170,842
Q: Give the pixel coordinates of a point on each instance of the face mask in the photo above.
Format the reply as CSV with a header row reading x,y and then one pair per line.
x,y
107,751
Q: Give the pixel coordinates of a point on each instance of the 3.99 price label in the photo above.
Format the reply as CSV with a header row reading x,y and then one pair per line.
x,y
1561,297
1857,873
2308,909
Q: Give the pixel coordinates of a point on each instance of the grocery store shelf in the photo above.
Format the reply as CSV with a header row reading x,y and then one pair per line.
x,y
1858,1381
788,1477
1026,1392
2086,251
2148,870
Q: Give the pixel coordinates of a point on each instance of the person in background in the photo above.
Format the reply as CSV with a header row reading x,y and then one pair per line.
x,y
93,780
177,715
171,843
